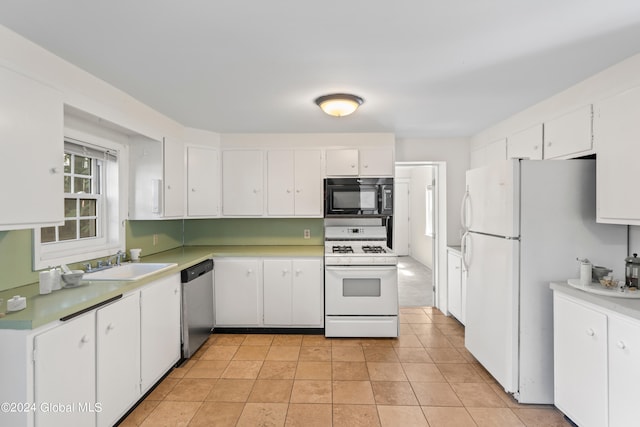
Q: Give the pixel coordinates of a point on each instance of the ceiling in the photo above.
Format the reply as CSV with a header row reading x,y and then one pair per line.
x,y
426,68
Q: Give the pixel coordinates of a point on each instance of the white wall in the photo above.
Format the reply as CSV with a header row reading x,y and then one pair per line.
x,y
455,153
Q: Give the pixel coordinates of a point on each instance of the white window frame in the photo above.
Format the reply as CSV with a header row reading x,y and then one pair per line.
x,y
114,210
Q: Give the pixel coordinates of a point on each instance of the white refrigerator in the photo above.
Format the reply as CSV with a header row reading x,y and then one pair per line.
x,y
526,223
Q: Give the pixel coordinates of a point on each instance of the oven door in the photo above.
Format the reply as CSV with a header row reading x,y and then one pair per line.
x,y
361,290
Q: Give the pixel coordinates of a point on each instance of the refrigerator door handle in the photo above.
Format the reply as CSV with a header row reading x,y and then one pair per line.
x,y
463,211
463,250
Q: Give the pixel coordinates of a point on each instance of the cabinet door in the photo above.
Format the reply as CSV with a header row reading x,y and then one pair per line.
x,y
242,182
526,144
307,292
203,182
173,155
616,131
31,138
454,284
117,358
280,182
343,162
569,134
277,292
308,183
159,329
65,373
236,292
580,362
624,370
376,162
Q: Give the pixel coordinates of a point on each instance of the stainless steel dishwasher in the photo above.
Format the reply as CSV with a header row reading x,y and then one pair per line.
x,y
197,306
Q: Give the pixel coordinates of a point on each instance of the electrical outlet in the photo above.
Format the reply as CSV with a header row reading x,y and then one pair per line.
x,y
307,233
155,239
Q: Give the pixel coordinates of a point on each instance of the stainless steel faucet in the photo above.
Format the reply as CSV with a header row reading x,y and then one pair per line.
x,y
119,256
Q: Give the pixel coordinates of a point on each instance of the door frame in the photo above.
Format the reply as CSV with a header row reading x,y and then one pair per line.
x,y
440,238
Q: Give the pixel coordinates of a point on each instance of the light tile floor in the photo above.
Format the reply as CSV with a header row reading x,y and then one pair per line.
x,y
423,378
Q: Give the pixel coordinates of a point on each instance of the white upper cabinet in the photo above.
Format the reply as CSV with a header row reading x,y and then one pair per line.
x,y
569,135
203,182
376,162
616,131
294,183
156,178
343,162
242,183
173,162
526,144
372,162
32,141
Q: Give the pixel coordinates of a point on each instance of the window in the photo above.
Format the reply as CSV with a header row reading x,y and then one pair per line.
x,y
83,202
93,211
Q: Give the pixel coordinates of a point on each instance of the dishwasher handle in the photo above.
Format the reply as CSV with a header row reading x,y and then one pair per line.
x,y
195,271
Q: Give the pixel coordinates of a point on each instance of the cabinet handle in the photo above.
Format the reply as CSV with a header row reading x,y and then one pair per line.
x,y
590,332
249,271
168,187
255,191
549,144
366,166
175,292
298,272
84,339
111,327
54,170
622,345
457,268
298,191
285,272
288,190
353,165
193,190
535,147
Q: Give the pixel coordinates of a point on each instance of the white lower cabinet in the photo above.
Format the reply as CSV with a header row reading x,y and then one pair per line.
x,y
91,369
293,292
596,353
236,292
117,358
279,292
64,379
160,304
456,286
580,362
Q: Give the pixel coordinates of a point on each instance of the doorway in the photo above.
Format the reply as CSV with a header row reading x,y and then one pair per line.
x,y
418,190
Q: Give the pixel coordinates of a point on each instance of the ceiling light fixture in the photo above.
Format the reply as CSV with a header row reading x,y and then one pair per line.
x,y
339,104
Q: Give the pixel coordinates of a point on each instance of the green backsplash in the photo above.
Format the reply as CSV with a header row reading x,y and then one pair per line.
x,y
140,234
16,259
16,246
253,231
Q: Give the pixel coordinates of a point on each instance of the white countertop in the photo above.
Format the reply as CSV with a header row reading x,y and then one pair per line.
x,y
624,306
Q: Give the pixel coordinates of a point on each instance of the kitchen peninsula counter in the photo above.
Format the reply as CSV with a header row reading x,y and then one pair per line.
x,y
43,309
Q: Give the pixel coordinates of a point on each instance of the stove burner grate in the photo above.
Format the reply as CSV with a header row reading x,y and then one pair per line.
x,y
373,250
342,249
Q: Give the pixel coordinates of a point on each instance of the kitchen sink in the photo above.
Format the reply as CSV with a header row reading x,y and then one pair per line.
x,y
131,271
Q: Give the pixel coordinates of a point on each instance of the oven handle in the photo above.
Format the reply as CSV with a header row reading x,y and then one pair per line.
x,y
361,267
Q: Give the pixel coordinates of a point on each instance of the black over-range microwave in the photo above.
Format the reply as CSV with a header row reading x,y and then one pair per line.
x,y
372,197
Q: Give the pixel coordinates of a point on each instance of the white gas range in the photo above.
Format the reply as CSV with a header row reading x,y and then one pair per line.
x,y
361,283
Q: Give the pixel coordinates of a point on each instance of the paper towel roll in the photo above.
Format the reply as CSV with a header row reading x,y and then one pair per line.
x,y
46,282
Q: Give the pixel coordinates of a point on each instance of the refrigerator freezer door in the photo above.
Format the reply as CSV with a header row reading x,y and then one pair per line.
x,y
491,329
492,205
